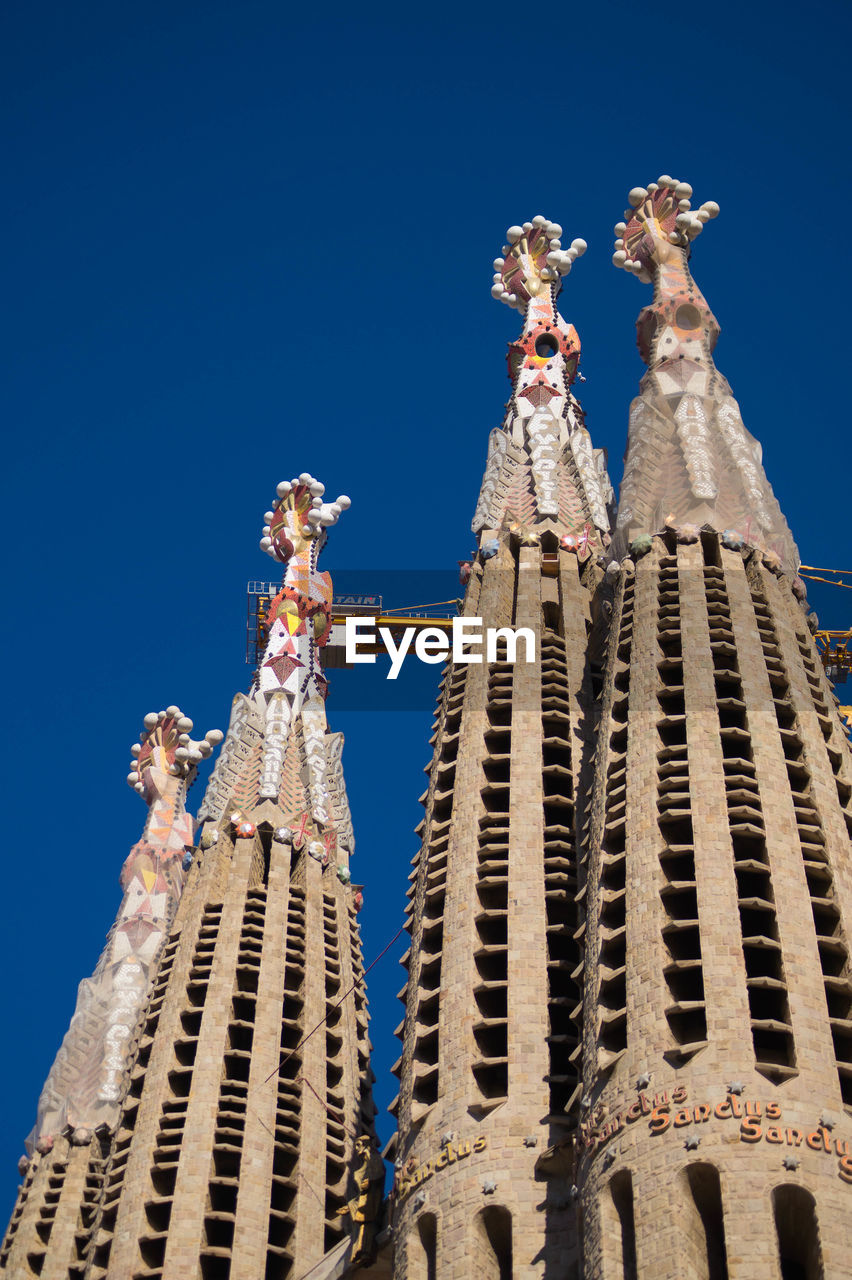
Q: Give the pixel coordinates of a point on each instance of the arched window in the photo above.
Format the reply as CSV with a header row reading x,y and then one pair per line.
x,y
423,1248
494,1244
619,1230
799,1251
705,1256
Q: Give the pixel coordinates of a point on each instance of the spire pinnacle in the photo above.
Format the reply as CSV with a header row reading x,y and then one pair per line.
x,y
659,223
298,517
165,751
532,260
289,687
542,473
300,615
690,461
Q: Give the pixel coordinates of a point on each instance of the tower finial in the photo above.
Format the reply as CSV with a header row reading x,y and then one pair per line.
x,y
541,466
289,684
532,259
659,224
690,461
298,517
165,756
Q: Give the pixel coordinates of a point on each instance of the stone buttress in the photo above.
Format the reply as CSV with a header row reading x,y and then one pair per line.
x,y
717,1064
238,1139
488,1074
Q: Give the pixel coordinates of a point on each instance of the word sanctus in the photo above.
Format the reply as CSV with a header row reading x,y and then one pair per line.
x,y
432,644
450,1154
818,1140
729,1108
664,1114
596,1135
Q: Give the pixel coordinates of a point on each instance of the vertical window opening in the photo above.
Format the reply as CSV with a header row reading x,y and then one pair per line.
x,y
551,617
424,1246
799,1251
495,1225
710,548
621,1191
706,1192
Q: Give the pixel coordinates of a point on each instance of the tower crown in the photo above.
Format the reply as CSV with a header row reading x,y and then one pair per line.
x,y
299,517
542,470
690,460
165,757
659,224
532,261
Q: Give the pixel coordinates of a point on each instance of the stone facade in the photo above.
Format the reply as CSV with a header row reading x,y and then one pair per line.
x,y
234,1148
717,1035
491,1033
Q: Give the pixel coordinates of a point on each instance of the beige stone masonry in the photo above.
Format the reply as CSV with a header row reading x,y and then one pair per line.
x,y
252,1218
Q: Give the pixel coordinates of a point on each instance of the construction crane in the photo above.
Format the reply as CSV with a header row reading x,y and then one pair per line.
x,y
833,646
439,614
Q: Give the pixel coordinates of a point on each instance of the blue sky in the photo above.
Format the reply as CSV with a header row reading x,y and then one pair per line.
x,y
244,240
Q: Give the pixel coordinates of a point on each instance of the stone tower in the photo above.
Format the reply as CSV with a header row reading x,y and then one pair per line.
x,y
717,1052
489,1068
209,1113
627,1043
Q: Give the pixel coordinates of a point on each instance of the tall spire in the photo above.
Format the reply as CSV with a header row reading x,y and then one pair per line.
x,y
289,684
83,1088
237,1139
489,1069
542,472
690,459
718,984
